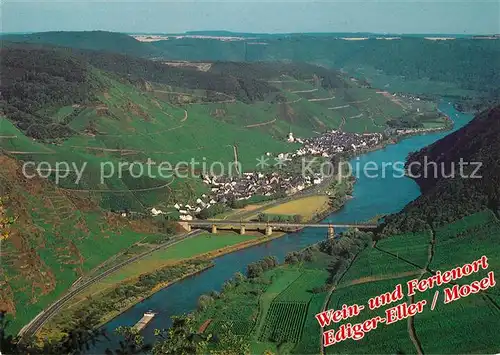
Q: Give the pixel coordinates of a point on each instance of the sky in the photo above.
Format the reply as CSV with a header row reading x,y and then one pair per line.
x,y
165,16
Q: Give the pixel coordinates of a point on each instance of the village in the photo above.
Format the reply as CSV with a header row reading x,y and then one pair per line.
x,y
279,182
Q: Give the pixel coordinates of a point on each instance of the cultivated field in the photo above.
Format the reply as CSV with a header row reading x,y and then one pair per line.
x,y
284,321
306,207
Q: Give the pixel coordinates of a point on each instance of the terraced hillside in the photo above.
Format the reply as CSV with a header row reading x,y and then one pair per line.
x,y
118,114
53,239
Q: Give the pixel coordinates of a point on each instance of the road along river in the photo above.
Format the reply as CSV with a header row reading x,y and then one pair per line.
x,y
371,197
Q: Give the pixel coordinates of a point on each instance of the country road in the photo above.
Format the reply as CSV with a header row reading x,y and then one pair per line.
x,y
36,324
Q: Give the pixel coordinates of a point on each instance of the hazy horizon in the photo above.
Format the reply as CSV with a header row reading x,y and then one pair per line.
x,y
259,17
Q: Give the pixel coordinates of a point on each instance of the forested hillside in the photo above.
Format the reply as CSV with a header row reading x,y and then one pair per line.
x,y
466,63
459,67
33,79
447,196
93,40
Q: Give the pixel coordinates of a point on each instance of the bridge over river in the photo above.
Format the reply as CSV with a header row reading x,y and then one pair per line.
x,y
269,227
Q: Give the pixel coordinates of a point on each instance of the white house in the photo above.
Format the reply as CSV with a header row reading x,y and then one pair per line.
x,y
156,212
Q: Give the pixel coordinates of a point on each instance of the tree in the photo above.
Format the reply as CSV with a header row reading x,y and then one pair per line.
x,y
8,343
228,343
204,301
132,343
291,258
181,338
239,278
254,270
308,255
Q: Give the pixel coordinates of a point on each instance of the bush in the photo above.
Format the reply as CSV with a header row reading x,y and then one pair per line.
x,y
212,211
257,268
204,301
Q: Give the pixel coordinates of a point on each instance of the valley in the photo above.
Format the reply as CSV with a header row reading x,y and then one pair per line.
x,y
108,144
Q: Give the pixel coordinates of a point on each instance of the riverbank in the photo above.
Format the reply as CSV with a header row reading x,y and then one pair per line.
x,y
109,317
372,197
85,302
101,294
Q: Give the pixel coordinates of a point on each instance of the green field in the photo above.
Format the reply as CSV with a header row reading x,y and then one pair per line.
x,y
187,248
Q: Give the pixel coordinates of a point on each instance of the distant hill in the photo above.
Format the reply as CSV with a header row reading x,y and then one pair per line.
x,y
94,40
446,199
461,67
427,66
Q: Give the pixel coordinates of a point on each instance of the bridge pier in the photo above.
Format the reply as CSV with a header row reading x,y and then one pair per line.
x,y
185,225
214,229
269,230
331,232
242,229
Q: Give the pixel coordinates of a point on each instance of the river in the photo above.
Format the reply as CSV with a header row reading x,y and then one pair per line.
x,y
371,197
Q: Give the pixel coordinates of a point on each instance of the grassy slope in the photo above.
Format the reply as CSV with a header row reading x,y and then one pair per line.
x,y
131,125
53,241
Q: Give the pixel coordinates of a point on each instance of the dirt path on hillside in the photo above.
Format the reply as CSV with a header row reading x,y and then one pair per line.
x,y
327,300
342,124
338,107
323,99
146,134
261,124
303,91
360,101
167,185
373,278
411,320
185,116
232,101
16,152
285,81
135,151
294,101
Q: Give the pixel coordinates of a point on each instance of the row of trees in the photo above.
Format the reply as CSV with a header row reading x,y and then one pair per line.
x,y
257,268
267,217
306,255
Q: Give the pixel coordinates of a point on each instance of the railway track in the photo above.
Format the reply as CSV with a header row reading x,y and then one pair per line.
x,y
37,323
